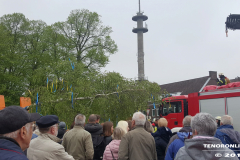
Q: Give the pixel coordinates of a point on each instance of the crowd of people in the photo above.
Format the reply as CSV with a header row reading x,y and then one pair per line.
x,y
30,136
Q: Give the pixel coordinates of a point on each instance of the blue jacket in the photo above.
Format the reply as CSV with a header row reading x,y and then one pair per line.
x,y
163,132
10,150
227,135
176,145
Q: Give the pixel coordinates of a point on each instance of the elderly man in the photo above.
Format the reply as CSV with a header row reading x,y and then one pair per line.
x,y
78,142
138,143
46,146
177,141
201,146
15,132
227,134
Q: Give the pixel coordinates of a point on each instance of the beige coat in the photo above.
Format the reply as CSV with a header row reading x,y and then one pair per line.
x,y
78,143
137,144
45,147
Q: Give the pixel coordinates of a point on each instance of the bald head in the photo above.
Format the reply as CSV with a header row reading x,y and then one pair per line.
x,y
92,118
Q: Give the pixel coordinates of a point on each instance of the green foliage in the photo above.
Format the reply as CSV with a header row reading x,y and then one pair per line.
x,y
69,54
107,94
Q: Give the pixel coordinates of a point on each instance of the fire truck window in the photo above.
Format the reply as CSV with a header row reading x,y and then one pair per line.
x,y
172,107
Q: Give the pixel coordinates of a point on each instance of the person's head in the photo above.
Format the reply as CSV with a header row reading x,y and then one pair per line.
x,y
123,125
203,124
118,133
62,125
226,120
108,128
98,118
187,121
62,128
218,120
80,120
17,123
48,124
92,118
130,124
148,127
138,119
162,122
73,123
156,121
221,75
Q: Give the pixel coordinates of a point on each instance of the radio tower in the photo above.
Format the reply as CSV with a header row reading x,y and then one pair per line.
x,y
139,18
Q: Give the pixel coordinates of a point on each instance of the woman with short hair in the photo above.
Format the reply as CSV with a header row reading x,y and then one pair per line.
x,y
162,137
111,151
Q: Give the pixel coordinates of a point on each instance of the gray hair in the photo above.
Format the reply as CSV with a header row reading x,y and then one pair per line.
x,y
204,124
80,120
118,133
139,118
187,121
46,130
227,120
14,134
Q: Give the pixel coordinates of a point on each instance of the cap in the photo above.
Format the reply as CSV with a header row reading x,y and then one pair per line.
x,y
218,118
13,118
62,125
47,121
220,74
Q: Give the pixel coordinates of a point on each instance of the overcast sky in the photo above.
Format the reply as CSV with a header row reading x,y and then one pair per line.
x,y
186,38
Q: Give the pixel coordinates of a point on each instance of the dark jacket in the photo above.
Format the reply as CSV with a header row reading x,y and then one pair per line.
x,y
96,131
163,132
222,81
227,135
10,150
184,129
176,145
61,129
137,144
107,140
160,147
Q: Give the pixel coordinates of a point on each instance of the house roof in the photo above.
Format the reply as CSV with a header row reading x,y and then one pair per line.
x,y
237,79
185,87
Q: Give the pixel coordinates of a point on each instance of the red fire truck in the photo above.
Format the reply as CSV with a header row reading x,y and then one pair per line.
x,y
217,102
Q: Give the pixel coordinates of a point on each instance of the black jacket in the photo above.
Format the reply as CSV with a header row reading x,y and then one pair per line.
x,y
163,132
160,147
222,81
96,132
95,129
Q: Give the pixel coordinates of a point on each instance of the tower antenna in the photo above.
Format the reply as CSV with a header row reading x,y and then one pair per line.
x,y
139,18
139,6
